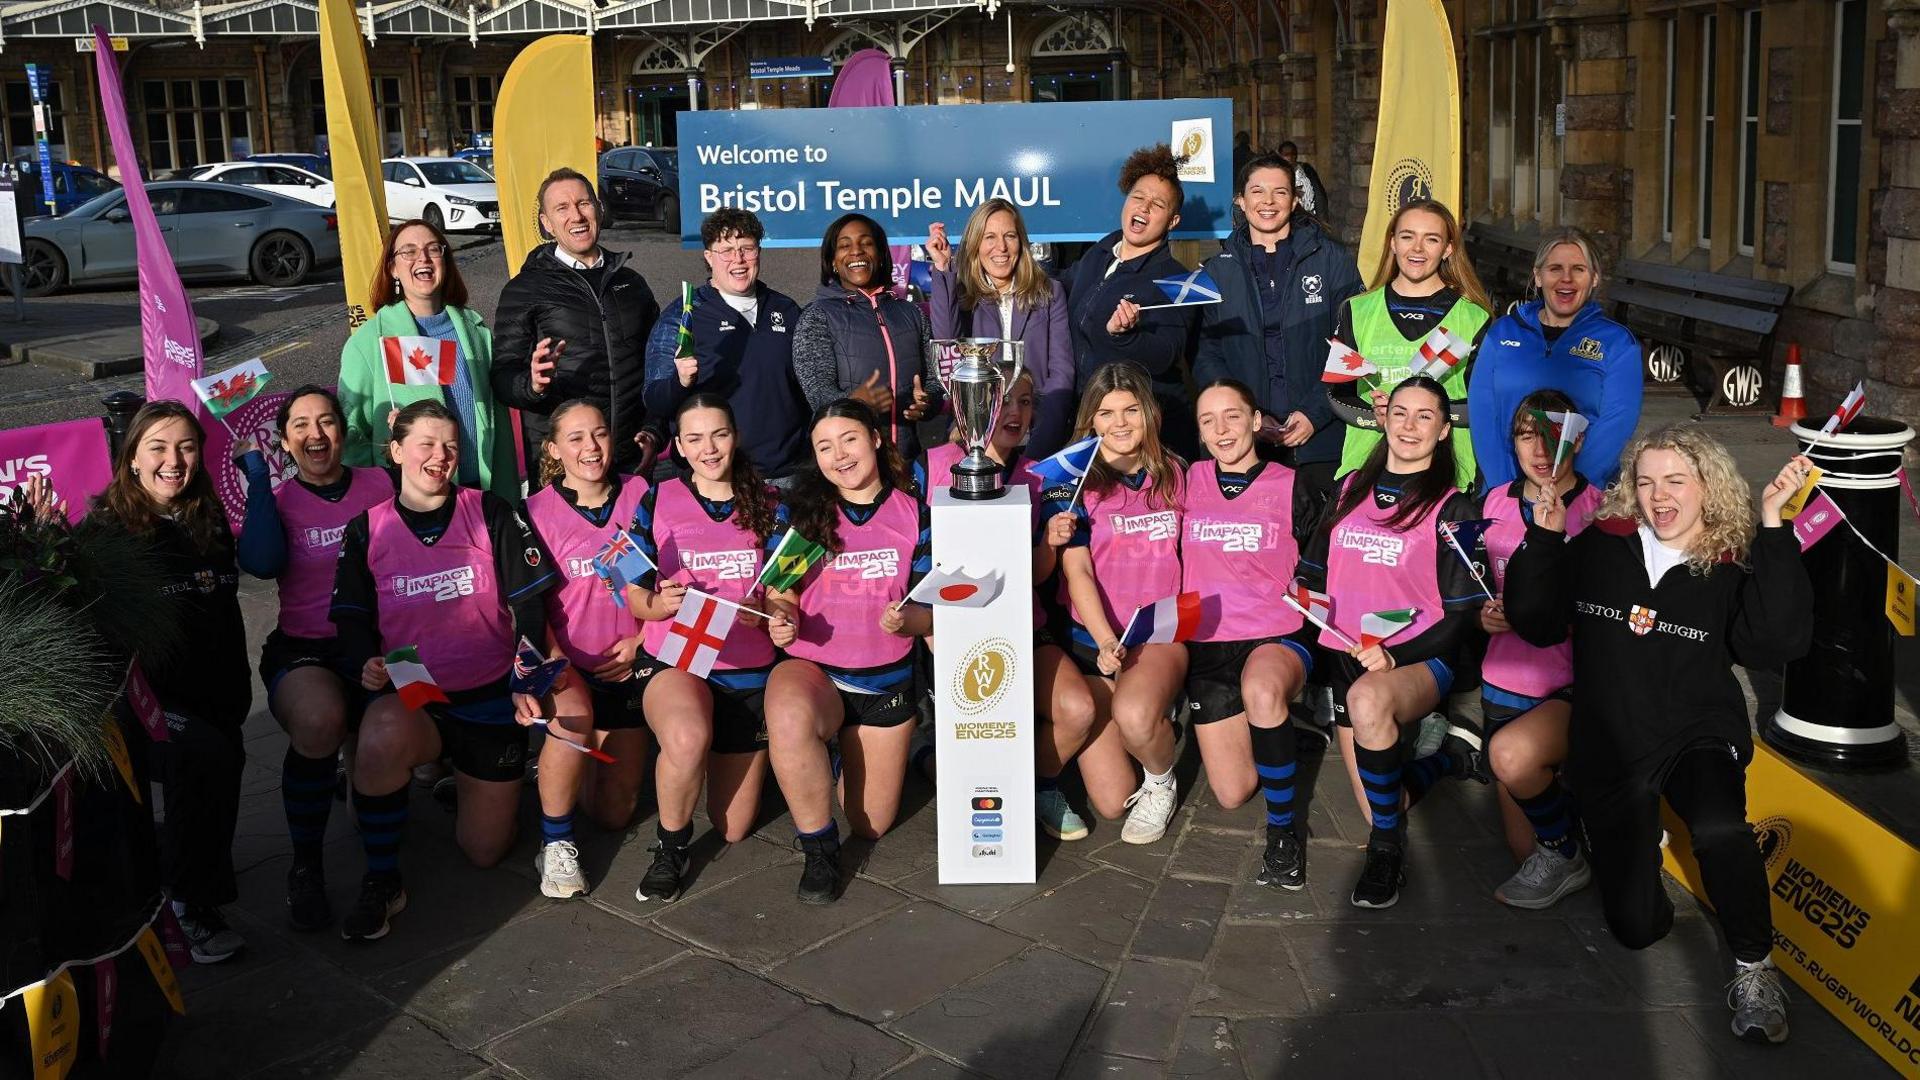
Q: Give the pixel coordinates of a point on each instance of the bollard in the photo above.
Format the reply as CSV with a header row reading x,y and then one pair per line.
x,y
120,406
1837,709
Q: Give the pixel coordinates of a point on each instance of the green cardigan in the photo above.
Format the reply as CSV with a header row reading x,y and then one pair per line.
x,y
364,394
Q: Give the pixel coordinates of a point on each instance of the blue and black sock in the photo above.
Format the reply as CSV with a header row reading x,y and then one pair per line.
x,y
1274,758
383,818
554,829
1419,776
1380,776
1551,815
306,792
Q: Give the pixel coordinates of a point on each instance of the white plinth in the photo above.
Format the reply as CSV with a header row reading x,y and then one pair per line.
x,y
983,693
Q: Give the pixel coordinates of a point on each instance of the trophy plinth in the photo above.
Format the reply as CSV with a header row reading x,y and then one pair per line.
x,y
983,372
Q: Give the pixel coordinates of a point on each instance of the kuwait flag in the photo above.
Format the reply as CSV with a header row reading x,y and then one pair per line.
x,y
411,680
1849,408
1441,352
419,361
1164,621
228,390
1344,365
956,589
697,634
790,561
1379,626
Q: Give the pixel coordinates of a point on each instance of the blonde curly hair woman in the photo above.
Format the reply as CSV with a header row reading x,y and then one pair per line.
x,y
1657,711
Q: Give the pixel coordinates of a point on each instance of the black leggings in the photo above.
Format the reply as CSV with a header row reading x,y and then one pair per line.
x,y
1707,788
201,767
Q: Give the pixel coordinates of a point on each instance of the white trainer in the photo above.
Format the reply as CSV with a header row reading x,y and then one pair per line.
x,y
1151,809
559,867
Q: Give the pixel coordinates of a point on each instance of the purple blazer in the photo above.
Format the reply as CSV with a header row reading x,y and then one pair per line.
x,y
1049,352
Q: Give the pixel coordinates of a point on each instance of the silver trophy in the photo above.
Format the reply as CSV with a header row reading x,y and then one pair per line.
x,y
983,372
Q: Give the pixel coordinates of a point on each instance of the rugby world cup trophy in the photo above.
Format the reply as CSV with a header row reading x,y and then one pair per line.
x,y
983,670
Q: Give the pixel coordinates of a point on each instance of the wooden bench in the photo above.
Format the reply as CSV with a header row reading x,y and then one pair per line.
x,y
1711,334
1504,261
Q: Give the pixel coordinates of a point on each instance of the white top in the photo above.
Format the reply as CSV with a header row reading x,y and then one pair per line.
x,y
748,306
565,257
1006,314
1659,557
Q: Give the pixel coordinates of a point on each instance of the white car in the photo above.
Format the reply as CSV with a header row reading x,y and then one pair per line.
x,y
289,180
448,193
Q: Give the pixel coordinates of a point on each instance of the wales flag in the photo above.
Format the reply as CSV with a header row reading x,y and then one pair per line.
x,y
790,562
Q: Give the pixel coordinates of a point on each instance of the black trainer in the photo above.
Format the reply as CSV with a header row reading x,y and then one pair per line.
x,y
1467,750
307,906
820,878
1382,877
380,899
1285,863
662,880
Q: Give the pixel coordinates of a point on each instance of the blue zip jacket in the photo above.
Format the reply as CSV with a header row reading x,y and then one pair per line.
x,y
750,366
1233,332
1595,361
1158,342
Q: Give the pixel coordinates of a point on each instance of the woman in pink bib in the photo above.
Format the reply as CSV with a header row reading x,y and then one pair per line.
x,y
849,639
1120,551
582,504
1386,572
1250,656
293,536
443,580
709,531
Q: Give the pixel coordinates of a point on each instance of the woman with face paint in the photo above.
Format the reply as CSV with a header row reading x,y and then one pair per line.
x,y
1671,587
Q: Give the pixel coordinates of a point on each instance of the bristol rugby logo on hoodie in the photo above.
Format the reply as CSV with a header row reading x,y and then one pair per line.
x,y
1641,620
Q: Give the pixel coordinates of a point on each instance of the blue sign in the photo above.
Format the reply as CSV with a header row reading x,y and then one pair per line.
x,y
1059,162
37,91
789,67
987,820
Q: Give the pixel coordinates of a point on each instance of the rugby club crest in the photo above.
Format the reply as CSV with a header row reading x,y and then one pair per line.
x,y
1641,620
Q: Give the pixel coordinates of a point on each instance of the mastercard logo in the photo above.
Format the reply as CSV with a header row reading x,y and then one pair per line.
x,y
988,802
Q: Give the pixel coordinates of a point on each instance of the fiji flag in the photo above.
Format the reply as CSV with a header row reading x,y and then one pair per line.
x,y
622,561
1184,290
1163,622
1069,465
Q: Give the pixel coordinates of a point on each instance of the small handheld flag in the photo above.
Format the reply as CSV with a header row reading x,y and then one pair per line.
x,y
955,588
419,361
1344,365
1462,536
1166,621
697,634
622,562
790,561
1440,352
683,337
1561,428
534,674
1069,466
1815,520
411,680
227,390
1849,408
1379,626
593,752
1186,290
1318,609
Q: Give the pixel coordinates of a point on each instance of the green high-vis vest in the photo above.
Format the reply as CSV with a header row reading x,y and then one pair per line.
x,y
1380,341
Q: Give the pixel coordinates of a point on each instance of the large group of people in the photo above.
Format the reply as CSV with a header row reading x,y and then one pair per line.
x,y
1617,582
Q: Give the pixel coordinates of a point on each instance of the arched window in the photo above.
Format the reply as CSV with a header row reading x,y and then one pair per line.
x,y
1075,35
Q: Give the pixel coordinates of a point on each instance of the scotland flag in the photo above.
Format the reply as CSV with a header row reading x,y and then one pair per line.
x,y
1188,289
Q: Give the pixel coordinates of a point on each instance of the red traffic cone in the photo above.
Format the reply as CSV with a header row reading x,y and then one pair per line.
x,y
1793,406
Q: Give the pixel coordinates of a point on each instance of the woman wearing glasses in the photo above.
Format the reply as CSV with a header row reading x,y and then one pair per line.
x,y
418,293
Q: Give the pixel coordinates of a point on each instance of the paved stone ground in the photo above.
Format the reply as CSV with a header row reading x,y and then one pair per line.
x,y
1121,962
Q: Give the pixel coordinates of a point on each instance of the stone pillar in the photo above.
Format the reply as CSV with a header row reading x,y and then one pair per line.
x,y
1596,183
1893,368
1348,164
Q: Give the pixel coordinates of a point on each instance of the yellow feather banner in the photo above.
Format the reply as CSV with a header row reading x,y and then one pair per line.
x,y
53,1026
542,121
1416,150
353,140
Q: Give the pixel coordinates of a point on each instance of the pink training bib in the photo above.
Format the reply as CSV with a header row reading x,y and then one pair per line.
x,y
1511,663
843,596
1371,567
445,598
1239,554
313,528
1135,547
585,620
721,558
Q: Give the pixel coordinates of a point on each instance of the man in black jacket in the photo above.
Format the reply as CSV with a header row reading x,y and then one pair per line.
x,y
1309,189
573,323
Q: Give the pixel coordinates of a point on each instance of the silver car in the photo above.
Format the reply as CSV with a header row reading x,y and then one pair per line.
x,y
212,230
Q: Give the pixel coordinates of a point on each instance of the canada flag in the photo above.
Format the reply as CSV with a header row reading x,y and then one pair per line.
x,y
420,361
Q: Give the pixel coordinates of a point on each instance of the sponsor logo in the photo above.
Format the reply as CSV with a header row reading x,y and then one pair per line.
x,y
532,556
980,682
1588,349
1310,284
318,538
1409,180
988,820
1509,343
1829,910
1909,1005
1375,548
1230,535
988,802
988,836
977,730
727,565
725,325
441,586
986,851
1641,621
868,565
1773,835
1159,525
577,567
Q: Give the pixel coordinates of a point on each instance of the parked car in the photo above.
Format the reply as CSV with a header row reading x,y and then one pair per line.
x,y
642,183
479,155
72,185
447,193
290,180
319,164
212,230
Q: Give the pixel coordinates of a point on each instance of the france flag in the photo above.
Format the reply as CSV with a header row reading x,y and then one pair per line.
x,y
1163,621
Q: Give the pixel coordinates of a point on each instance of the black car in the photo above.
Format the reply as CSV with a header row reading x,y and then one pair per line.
x,y
641,184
